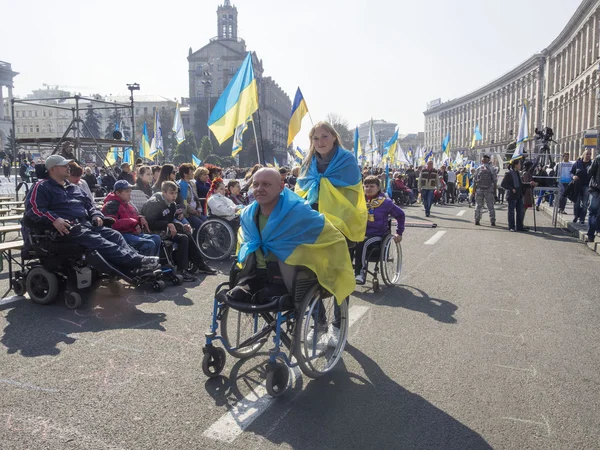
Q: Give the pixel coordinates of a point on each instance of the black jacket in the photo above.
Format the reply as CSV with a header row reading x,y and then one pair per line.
x,y
594,174
509,184
581,170
141,186
126,176
158,213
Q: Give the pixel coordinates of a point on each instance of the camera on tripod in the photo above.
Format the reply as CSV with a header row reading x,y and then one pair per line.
x,y
544,135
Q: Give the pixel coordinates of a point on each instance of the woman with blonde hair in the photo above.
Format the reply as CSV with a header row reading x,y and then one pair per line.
x,y
331,182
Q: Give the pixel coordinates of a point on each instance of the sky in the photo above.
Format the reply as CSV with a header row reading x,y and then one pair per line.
x,y
359,59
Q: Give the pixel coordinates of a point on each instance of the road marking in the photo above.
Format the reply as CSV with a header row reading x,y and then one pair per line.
x,y
12,299
532,371
516,311
248,409
543,424
27,386
461,212
436,237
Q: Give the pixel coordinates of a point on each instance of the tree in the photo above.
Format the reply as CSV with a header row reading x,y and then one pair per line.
x,y
205,148
342,127
124,123
185,150
92,123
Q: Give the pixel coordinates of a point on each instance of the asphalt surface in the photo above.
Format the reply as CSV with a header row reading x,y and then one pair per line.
x,y
490,341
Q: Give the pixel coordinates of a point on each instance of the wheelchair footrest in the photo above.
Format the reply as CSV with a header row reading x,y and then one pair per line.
x,y
280,303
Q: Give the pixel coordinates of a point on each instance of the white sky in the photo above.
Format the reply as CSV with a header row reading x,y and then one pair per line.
x,y
379,58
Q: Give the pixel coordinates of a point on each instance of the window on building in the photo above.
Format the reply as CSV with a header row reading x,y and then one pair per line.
x,y
35,113
49,113
231,67
218,67
18,129
44,113
37,128
31,128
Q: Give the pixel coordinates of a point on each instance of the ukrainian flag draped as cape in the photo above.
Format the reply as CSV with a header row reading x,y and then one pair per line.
x,y
338,192
300,236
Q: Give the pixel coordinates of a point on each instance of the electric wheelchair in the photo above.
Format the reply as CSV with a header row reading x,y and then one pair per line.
x,y
51,268
297,321
386,254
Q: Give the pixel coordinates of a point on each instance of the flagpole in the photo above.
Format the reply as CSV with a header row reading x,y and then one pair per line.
x,y
310,117
256,141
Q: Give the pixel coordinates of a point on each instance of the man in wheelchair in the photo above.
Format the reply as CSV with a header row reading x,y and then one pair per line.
x,y
280,232
55,204
380,208
164,219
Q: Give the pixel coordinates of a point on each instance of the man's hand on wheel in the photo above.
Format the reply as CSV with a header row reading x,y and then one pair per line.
x,y
172,229
398,238
62,226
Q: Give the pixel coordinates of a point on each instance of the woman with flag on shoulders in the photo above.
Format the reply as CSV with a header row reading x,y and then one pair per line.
x,y
331,182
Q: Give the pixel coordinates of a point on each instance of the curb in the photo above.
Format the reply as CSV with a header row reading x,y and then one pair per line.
x,y
575,229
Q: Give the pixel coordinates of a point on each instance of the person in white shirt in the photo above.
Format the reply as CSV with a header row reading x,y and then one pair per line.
x,y
219,205
451,185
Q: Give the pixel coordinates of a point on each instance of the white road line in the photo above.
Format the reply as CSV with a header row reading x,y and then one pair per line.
x,y
461,212
14,298
248,409
436,237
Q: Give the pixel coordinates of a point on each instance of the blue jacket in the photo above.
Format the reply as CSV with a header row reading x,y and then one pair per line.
x,y
48,201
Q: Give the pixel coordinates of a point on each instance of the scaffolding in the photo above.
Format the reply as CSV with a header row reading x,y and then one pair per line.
x,y
73,133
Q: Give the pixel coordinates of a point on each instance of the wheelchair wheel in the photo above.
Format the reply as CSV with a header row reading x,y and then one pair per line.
x,y
317,355
237,327
41,285
278,376
18,287
213,361
391,261
73,300
158,286
216,239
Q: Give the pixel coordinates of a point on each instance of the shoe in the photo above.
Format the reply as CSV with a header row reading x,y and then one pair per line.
x,y
493,223
206,269
582,222
537,208
589,239
150,262
188,276
561,211
360,279
477,222
144,271
321,333
426,214
511,229
334,337
575,220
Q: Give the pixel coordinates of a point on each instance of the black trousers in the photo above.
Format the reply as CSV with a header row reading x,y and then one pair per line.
x,y
187,251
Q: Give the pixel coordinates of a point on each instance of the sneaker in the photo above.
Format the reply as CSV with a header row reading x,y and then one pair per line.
x,y
477,222
493,223
582,222
360,278
511,229
150,262
537,208
206,269
334,337
321,333
188,276
575,220
589,239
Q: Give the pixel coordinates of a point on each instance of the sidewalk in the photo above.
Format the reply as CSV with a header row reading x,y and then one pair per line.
x,y
566,221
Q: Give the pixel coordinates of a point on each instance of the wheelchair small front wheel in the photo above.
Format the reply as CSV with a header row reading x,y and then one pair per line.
x,y
177,280
73,300
213,361
278,376
158,286
18,287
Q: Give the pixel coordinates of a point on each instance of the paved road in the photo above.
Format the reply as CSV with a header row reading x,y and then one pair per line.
x,y
491,341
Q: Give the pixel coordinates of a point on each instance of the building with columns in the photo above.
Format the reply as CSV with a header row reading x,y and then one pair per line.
x,y
210,70
559,85
6,81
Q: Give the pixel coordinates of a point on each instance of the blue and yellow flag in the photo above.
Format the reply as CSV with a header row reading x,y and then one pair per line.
x,y
339,193
112,155
197,161
446,145
300,236
358,151
389,149
299,155
145,143
238,101
238,137
299,110
476,136
429,156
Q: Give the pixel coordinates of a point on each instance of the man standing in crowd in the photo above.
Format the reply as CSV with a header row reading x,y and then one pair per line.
x,y
564,178
594,199
485,185
581,180
451,185
428,183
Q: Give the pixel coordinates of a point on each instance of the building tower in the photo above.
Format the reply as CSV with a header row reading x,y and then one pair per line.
x,y
227,21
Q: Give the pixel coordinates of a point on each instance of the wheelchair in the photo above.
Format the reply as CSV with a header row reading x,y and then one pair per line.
x,y
386,254
52,268
401,198
297,321
217,238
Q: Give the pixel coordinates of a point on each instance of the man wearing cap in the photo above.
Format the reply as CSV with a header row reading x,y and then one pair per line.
x,y
54,202
128,222
485,188
126,173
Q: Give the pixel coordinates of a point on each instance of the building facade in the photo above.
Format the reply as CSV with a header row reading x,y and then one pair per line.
x,y
212,67
6,81
559,85
383,131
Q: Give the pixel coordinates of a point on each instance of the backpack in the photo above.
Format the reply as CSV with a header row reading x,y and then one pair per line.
x,y
485,179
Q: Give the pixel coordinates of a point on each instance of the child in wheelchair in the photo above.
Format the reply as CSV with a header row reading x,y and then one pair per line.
x,y
380,208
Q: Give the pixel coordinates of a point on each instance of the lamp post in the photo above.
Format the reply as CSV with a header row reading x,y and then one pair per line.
x,y
133,87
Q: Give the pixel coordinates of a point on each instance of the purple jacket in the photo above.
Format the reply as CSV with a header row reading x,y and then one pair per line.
x,y
380,208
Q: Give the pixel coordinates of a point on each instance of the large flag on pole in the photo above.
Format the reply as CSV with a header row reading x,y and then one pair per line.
x,y
238,137
238,101
446,146
476,136
178,126
157,141
145,143
389,149
358,153
523,133
299,110
401,157
299,155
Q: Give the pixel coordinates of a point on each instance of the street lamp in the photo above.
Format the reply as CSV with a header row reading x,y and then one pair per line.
x,y
133,87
